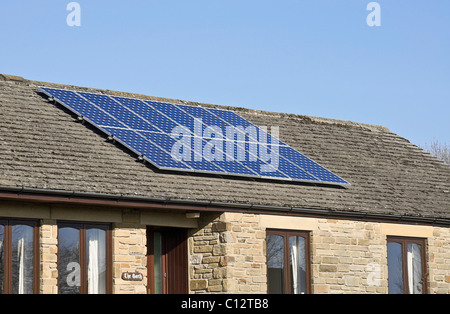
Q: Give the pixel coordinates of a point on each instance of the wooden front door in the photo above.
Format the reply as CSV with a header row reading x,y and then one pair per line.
x,y
167,260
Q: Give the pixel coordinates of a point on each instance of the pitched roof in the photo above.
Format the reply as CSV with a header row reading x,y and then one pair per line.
x,y
43,147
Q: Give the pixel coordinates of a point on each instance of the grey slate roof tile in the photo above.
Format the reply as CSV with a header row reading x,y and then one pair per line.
x,y
43,146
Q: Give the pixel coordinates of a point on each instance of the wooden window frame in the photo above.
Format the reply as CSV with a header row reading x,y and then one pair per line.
x,y
287,272
83,227
8,223
404,241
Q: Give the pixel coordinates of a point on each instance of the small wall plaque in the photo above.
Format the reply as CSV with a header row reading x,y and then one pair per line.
x,y
129,276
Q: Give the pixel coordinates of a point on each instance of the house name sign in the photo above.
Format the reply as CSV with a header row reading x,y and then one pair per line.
x,y
129,276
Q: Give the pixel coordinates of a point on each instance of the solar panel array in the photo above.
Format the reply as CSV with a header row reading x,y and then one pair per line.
x,y
193,138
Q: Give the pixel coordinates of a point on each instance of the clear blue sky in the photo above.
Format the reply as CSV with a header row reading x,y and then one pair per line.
x,y
311,57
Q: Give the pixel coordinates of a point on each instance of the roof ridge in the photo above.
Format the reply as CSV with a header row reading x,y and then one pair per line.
x,y
311,119
322,120
14,78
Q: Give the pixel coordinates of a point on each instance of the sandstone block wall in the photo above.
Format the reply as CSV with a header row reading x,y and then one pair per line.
x,y
48,257
227,255
129,255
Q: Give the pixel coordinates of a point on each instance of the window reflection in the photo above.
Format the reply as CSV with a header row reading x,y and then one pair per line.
x,y
17,257
395,268
96,260
405,265
275,263
286,262
22,259
297,261
82,266
414,260
69,260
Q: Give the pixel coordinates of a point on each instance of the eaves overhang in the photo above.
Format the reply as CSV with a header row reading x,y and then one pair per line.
x,y
25,194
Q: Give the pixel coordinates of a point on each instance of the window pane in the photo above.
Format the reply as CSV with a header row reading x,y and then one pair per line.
x,y
2,258
157,253
414,259
96,261
395,268
22,259
297,259
69,260
275,263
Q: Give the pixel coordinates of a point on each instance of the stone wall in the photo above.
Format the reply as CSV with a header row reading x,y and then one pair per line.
x,y
227,250
348,256
439,261
227,255
129,255
48,257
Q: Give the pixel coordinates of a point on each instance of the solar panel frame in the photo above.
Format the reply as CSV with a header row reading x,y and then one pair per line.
x,y
147,112
275,174
167,164
119,111
338,181
78,113
108,130
221,165
167,112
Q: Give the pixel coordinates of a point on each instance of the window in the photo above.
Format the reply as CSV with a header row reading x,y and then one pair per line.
x,y
19,257
84,258
406,265
288,263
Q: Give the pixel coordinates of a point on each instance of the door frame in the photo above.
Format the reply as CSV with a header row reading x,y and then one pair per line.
x,y
171,257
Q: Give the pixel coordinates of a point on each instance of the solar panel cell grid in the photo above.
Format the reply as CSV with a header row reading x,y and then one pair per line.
x,y
309,165
240,124
82,107
119,112
147,112
175,114
194,139
148,149
193,160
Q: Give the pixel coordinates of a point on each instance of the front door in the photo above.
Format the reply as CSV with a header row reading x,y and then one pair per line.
x,y
167,260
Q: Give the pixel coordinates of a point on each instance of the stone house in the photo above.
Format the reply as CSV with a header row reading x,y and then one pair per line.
x,y
79,213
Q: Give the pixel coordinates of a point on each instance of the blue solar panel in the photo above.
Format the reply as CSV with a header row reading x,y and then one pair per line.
x,y
295,158
119,112
83,108
147,112
177,115
193,139
207,119
291,162
167,143
262,168
291,170
232,119
151,151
